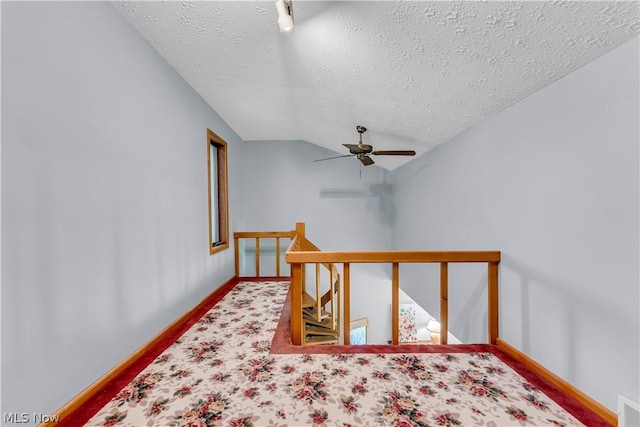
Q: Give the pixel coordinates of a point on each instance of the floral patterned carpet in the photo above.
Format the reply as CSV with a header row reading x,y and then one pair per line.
x,y
221,373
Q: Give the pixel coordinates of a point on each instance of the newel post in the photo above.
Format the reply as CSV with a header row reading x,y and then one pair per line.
x,y
300,230
296,304
297,289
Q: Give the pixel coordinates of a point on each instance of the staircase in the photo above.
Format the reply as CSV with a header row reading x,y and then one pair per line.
x,y
320,320
313,320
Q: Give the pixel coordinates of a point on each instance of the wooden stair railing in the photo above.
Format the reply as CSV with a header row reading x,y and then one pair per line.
x,y
304,252
322,310
258,236
320,313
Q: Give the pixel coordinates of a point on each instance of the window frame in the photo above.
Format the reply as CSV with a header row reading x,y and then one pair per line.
x,y
222,214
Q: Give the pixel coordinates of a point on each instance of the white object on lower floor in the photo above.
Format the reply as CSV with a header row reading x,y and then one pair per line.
x,y
628,412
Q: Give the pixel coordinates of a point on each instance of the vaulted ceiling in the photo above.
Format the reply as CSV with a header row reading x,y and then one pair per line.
x,y
415,73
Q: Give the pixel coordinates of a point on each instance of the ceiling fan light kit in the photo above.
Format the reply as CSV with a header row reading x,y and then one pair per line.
x,y
362,151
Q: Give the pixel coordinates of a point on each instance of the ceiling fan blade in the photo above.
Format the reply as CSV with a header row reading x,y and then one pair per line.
x,y
353,148
394,153
366,160
336,157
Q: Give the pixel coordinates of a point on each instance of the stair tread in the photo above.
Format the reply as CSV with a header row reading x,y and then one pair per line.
x,y
315,330
326,323
307,300
320,340
319,328
312,312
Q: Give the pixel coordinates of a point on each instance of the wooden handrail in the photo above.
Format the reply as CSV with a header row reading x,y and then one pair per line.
x,y
293,245
391,256
308,246
261,234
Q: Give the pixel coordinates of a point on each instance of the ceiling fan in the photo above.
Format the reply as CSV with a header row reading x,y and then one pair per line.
x,y
362,151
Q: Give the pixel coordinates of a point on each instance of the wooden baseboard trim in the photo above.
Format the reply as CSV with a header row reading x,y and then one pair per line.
x,y
97,388
571,391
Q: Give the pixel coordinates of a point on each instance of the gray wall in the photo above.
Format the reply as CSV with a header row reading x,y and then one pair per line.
x,y
552,182
104,198
344,206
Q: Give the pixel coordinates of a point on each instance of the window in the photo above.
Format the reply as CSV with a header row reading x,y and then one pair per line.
x,y
359,331
218,200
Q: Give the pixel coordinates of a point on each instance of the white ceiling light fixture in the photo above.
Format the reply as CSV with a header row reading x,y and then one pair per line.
x,y
285,20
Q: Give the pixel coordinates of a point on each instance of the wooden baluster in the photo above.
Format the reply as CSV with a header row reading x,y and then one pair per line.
x,y
332,290
346,316
444,302
236,250
395,306
278,256
492,312
337,304
257,257
296,304
318,296
304,277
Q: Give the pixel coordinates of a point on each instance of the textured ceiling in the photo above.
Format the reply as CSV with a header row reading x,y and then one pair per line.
x,y
414,73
